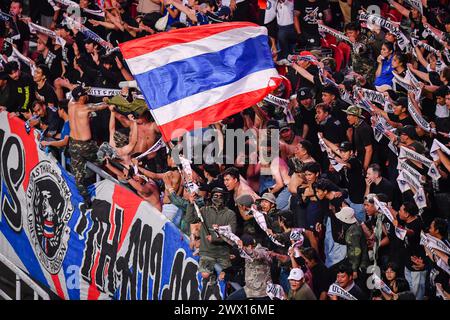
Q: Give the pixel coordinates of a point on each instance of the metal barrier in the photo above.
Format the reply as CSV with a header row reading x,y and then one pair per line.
x,y
22,276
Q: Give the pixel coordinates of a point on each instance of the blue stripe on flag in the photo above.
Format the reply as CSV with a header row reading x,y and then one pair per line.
x,y
184,78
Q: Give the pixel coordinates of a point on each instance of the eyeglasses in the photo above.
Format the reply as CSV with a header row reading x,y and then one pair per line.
x,y
217,195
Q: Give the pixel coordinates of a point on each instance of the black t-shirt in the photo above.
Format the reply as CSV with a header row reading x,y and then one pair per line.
x,y
305,116
412,243
353,180
385,186
53,63
322,278
332,130
309,14
47,94
337,108
406,121
22,92
55,123
24,34
357,293
362,137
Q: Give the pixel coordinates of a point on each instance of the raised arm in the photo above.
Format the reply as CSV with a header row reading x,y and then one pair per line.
x,y
190,13
126,150
405,12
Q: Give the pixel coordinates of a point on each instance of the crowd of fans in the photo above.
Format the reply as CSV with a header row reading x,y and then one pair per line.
x,y
358,197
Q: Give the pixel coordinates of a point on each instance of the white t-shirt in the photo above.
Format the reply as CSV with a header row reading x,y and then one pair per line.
x,y
285,12
441,111
271,11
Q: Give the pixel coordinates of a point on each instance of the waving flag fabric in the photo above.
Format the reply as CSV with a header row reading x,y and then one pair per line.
x,y
203,73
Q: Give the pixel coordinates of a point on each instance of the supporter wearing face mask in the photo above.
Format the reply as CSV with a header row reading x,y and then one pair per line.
x,y
214,249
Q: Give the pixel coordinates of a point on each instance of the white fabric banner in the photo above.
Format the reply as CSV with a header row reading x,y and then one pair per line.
x,y
436,146
412,155
261,221
381,206
418,119
336,290
380,285
103,92
275,291
52,34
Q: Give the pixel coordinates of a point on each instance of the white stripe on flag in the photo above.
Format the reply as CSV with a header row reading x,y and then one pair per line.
x,y
149,61
203,100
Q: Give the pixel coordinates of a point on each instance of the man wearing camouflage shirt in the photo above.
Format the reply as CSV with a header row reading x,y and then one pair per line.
x,y
365,49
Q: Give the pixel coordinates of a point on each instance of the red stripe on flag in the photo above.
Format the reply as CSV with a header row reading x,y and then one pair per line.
x,y
130,203
58,287
93,292
135,48
215,112
17,126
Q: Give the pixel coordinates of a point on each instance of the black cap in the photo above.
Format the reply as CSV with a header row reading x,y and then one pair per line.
x,y
401,101
78,92
408,130
345,146
331,89
304,93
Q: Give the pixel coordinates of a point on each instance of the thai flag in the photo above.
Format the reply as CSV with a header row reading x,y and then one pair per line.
x,y
203,73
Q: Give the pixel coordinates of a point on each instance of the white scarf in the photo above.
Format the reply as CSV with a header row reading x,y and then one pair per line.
x,y
418,43
282,103
103,92
52,34
275,291
418,119
381,206
412,155
417,4
403,165
158,145
373,96
72,23
436,146
24,59
380,285
433,242
393,28
336,290
331,157
261,221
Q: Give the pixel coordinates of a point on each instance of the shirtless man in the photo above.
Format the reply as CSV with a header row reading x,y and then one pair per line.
x,y
81,146
233,182
288,141
173,175
147,134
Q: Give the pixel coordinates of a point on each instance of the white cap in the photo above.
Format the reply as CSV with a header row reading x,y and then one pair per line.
x,y
347,215
296,274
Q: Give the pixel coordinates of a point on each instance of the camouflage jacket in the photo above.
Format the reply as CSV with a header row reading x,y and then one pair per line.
x,y
257,272
357,252
364,56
